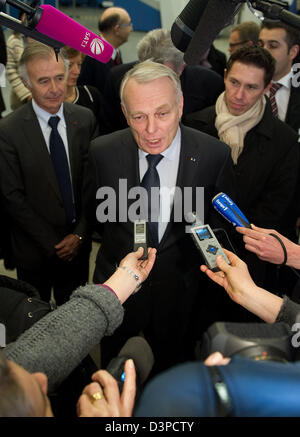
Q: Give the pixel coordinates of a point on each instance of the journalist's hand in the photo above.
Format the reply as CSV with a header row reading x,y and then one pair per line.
x,y
265,246
234,278
102,398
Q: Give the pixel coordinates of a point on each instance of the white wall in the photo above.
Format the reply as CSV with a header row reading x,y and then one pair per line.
x,y
169,10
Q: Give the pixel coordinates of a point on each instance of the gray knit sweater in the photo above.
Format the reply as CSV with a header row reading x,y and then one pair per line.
x,y
288,311
58,342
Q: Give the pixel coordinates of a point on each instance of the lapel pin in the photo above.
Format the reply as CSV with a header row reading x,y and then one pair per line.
x,y
193,159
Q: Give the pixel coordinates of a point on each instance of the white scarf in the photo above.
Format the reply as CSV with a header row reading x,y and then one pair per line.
x,y
232,129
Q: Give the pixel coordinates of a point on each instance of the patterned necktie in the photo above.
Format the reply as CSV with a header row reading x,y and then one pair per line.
x,y
117,60
61,167
273,90
151,179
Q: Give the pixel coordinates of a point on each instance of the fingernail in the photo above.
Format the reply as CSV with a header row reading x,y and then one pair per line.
x,y
130,363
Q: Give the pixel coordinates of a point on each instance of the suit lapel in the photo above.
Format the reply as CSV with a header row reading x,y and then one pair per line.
x,y
72,124
187,172
36,141
129,160
292,116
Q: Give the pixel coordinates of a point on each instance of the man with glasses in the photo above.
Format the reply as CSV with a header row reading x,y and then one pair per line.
x,y
244,34
115,27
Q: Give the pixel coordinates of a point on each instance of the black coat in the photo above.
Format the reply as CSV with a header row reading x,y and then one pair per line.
x,y
266,171
293,110
94,73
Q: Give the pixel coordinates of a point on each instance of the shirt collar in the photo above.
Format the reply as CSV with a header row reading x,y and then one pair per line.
x,y
115,51
286,80
44,116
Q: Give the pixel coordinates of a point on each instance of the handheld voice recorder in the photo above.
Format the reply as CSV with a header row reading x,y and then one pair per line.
x,y
140,237
208,245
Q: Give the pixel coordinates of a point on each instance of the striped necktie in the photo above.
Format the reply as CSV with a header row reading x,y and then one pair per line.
x,y
273,90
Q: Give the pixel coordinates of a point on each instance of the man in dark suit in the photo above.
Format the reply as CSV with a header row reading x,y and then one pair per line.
x,y
283,42
166,308
265,150
50,241
200,86
115,27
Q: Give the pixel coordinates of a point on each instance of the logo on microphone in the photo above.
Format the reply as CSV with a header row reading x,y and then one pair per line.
x,y
97,46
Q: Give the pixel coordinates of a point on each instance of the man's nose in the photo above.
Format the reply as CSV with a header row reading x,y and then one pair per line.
x,y
53,86
151,124
239,93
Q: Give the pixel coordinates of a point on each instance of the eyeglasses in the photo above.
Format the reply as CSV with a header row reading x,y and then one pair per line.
x,y
125,24
234,44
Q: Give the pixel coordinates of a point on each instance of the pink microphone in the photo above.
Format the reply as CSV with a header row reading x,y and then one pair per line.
x,y
60,27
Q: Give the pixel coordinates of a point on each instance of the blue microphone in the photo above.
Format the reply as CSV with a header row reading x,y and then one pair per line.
x,y
228,209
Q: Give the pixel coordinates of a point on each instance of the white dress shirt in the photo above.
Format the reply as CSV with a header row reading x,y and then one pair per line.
x,y
282,96
43,118
167,169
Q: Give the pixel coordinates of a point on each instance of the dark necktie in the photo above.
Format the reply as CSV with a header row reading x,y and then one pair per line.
x,y
117,60
273,90
151,179
61,167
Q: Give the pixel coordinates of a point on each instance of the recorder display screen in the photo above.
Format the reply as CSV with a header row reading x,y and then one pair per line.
x,y
203,234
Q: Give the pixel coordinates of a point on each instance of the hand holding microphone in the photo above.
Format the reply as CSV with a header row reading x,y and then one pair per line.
x,y
267,244
267,247
102,397
113,391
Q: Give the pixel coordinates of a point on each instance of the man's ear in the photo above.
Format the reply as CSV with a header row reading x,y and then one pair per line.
x,y
294,50
116,29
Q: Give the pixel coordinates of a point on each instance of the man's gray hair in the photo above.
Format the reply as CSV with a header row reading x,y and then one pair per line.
x,y
157,46
35,50
148,71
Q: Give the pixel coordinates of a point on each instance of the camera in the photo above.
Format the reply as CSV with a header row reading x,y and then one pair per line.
x,y
258,341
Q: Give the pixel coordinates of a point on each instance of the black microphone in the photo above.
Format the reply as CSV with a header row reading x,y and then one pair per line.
x,y
185,24
140,352
277,12
198,25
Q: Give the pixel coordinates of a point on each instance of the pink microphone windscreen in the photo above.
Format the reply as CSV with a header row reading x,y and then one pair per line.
x,y
59,26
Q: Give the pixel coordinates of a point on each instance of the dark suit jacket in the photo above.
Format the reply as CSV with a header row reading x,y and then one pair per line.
x,y
293,111
29,186
94,73
204,162
200,87
217,59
